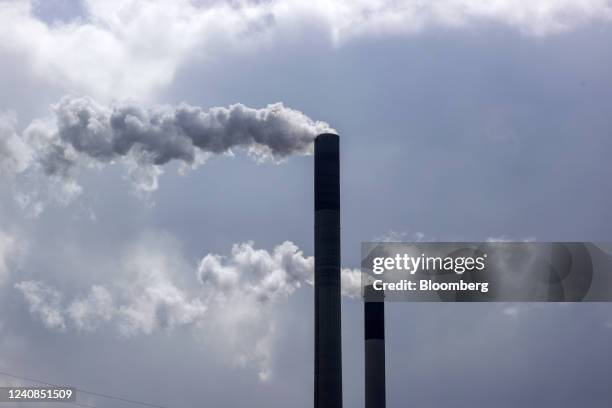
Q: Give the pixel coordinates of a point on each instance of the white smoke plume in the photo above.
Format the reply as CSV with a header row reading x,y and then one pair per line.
x,y
82,131
11,249
150,300
43,161
15,154
262,274
89,312
253,281
266,275
234,306
45,303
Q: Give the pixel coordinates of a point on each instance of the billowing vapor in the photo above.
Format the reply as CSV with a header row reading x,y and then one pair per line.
x,y
235,303
82,131
44,302
246,273
266,275
11,248
14,153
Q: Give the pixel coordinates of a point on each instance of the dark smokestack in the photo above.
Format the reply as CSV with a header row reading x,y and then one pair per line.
x,y
374,330
328,341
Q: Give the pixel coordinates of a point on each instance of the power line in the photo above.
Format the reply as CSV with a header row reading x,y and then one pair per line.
x,y
84,405
95,394
80,404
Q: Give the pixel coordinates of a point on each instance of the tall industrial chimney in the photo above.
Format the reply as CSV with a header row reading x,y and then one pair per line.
x,y
374,331
328,341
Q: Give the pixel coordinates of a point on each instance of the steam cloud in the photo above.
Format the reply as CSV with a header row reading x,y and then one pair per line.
x,y
14,153
152,301
84,131
44,303
10,248
251,280
266,275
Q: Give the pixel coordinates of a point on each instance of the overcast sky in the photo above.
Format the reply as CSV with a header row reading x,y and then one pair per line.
x,y
156,227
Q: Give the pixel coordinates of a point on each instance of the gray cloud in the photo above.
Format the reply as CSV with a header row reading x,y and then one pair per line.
x,y
101,50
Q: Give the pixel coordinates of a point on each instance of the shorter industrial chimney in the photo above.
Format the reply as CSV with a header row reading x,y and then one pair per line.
x,y
374,331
